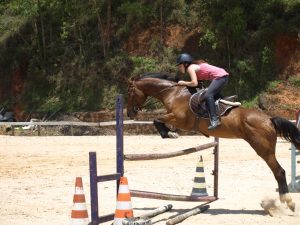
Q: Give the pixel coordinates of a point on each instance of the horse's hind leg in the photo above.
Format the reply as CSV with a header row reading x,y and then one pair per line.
x,y
265,148
262,139
279,174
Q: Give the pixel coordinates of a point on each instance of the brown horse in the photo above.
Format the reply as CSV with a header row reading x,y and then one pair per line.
x,y
255,127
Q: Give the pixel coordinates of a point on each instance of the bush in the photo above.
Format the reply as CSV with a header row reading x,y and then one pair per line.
x,y
295,81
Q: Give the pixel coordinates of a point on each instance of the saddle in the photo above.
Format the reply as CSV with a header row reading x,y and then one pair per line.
x,y
223,105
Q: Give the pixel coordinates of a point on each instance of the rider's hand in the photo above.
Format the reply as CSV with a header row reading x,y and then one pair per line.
x,y
181,82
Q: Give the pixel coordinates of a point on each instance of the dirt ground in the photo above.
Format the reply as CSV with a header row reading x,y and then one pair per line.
x,y
37,178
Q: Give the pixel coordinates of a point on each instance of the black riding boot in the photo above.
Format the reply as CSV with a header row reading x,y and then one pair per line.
x,y
211,107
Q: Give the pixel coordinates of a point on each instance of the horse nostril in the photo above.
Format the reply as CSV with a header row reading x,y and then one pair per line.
x,y
130,114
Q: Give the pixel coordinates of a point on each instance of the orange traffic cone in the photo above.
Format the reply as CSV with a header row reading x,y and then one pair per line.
x,y
79,214
124,207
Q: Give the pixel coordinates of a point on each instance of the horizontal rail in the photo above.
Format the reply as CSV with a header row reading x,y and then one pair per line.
x,y
108,177
103,219
161,196
136,157
73,123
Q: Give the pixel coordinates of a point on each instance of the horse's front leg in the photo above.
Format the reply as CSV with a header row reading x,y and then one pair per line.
x,y
160,125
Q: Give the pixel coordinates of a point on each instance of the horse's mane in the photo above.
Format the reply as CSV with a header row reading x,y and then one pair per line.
x,y
163,76
159,75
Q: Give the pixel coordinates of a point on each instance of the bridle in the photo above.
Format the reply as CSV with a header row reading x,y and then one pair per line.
x,y
132,94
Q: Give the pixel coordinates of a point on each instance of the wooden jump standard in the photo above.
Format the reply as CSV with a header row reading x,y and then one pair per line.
x,y
94,178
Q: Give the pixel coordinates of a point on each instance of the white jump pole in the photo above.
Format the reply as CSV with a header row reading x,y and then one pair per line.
x,y
293,158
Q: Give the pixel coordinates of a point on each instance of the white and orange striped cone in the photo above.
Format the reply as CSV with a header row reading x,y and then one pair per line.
x,y
79,214
124,207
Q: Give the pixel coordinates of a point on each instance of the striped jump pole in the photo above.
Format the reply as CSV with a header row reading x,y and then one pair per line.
x,y
293,158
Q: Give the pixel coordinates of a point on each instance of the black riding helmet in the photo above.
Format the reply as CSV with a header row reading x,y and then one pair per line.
x,y
184,58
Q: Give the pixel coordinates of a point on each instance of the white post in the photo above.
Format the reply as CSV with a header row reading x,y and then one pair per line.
x,y
293,158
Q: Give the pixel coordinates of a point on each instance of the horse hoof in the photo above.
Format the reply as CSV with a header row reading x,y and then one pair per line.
x,y
291,206
173,134
286,198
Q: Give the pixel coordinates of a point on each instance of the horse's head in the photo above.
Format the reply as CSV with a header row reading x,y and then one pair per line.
x,y
136,99
157,85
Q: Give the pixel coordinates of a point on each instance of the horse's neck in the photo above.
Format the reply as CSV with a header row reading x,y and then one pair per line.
x,y
157,90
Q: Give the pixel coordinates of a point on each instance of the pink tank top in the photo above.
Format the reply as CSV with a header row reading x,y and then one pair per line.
x,y
209,72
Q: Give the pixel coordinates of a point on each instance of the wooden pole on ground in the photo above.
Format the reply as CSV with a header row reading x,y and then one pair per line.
x,y
183,216
158,211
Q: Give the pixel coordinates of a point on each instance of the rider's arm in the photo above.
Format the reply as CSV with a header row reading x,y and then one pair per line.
x,y
193,76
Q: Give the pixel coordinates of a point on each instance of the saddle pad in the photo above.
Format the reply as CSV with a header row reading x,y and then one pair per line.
x,y
198,108
195,102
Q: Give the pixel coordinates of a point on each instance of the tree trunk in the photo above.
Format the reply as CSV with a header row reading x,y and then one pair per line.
x,y
40,13
101,29
36,33
161,28
108,25
228,50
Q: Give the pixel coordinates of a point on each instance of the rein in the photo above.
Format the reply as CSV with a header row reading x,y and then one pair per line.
x,y
132,87
174,85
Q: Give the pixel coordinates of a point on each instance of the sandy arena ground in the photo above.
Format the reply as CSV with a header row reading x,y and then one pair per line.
x,y
37,178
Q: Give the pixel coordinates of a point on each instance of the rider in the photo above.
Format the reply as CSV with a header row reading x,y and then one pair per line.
x,y
197,71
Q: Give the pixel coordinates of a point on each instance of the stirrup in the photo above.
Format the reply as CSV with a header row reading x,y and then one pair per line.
x,y
214,124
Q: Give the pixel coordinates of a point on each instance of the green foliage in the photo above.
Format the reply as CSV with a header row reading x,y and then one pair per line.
x,y
118,68
209,38
25,8
133,14
233,23
295,81
10,24
75,49
110,93
143,65
267,64
135,11
251,103
51,104
244,79
272,86
178,13
167,63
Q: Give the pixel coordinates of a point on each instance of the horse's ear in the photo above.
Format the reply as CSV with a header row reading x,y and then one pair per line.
x,y
129,81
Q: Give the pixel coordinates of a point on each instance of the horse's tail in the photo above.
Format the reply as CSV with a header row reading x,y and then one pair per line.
x,y
287,130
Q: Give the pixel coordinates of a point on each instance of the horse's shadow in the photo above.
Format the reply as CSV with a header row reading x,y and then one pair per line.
x,y
216,211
